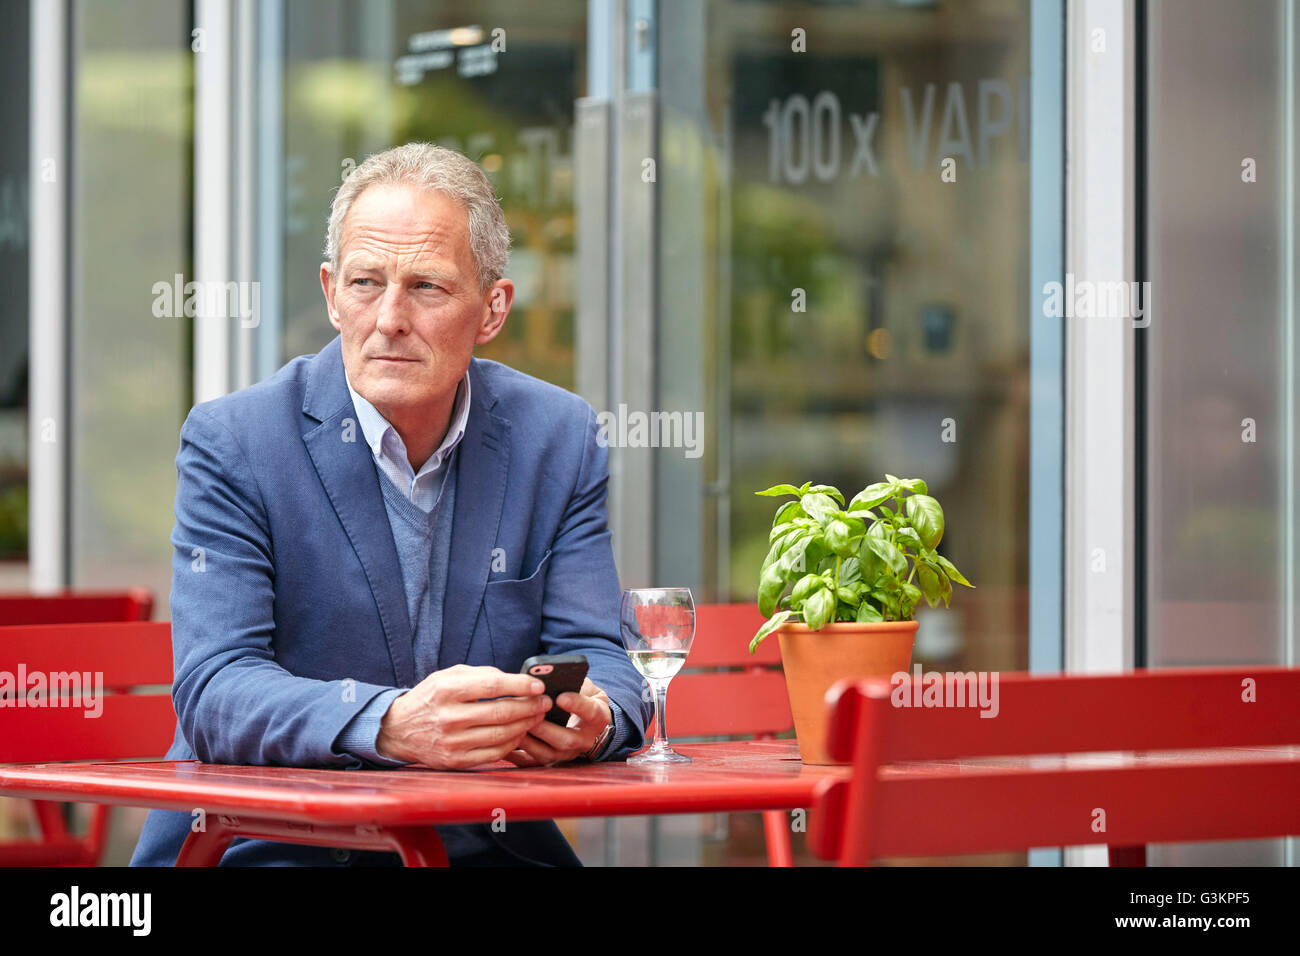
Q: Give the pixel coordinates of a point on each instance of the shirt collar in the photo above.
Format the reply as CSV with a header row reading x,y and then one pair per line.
x,y
376,428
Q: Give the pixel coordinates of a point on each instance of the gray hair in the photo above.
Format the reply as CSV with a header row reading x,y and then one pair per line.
x,y
436,169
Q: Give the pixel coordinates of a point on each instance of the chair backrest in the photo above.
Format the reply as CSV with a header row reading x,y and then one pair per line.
x,y
65,692
76,607
712,703
874,721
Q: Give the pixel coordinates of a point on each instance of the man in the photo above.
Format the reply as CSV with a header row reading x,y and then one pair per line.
x,y
369,544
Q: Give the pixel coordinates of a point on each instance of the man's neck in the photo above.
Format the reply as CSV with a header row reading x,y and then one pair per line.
x,y
421,430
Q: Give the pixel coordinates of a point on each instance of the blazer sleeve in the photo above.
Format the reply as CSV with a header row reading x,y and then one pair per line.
x,y
580,608
234,702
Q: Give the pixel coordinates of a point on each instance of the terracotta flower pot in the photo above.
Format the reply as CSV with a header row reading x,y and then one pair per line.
x,y
815,660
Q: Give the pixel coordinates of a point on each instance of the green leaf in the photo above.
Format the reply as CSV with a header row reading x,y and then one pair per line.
x,y
819,608
927,518
914,485
856,524
830,490
787,512
910,597
909,536
929,582
839,538
868,613
848,596
886,551
782,531
820,506
871,496
770,586
851,570
778,490
773,553
805,586
952,571
795,557
768,627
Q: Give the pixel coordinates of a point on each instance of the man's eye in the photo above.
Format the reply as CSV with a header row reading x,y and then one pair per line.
x,y
426,285
361,279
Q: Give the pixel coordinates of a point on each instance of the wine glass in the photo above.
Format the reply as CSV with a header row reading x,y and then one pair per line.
x,y
658,625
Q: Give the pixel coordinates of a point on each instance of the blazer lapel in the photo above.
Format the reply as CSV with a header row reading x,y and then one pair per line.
x,y
346,468
482,464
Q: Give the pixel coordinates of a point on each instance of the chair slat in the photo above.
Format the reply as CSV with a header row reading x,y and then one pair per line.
x,y
76,607
1158,710
722,636
130,727
739,703
128,655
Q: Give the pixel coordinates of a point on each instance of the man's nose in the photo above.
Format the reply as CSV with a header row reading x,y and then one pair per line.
x,y
392,319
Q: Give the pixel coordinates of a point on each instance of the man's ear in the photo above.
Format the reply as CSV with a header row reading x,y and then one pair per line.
x,y
496,306
327,286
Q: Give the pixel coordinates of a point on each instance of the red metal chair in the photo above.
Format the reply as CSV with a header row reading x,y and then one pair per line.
x,y
749,702
76,607
129,726
1125,801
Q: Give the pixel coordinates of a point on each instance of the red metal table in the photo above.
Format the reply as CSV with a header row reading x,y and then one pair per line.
x,y
394,809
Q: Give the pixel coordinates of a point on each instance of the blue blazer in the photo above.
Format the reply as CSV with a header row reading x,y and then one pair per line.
x,y
288,613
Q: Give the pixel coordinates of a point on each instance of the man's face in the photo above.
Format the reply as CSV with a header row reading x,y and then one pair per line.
x,y
407,300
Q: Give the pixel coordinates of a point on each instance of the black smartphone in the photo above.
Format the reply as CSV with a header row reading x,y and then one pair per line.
x,y
560,673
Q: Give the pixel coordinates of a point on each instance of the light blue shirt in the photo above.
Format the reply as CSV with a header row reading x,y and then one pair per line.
x,y
390,451
422,488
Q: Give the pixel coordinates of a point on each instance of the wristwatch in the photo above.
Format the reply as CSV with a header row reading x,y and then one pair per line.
x,y
601,740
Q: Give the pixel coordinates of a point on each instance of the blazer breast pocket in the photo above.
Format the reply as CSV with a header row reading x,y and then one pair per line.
x,y
514,616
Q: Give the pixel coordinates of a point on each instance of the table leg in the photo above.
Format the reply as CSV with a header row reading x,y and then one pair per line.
x,y
1127,855
204,847
417,846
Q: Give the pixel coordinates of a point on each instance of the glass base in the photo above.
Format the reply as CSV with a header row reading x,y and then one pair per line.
x,y
659,755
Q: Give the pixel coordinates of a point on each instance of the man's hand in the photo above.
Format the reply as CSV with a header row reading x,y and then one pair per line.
x,y
441,723
548,743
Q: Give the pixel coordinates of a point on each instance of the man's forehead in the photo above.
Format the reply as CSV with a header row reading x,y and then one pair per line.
x,y
397,225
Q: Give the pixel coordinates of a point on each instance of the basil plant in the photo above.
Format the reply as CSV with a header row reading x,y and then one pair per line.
x,y
872,560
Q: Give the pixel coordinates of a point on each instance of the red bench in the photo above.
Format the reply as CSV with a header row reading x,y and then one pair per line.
x,y
1215,759
130,725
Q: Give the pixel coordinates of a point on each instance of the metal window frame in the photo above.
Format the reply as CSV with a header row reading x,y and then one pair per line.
x,y
49,459
1100,402
1046,348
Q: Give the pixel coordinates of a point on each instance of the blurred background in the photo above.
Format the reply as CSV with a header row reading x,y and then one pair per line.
x,y
730,207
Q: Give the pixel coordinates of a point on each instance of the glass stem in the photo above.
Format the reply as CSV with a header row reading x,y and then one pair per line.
x,y
661,703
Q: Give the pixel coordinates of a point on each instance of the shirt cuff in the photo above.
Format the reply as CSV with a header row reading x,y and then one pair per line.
x,y
360,736
621,728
